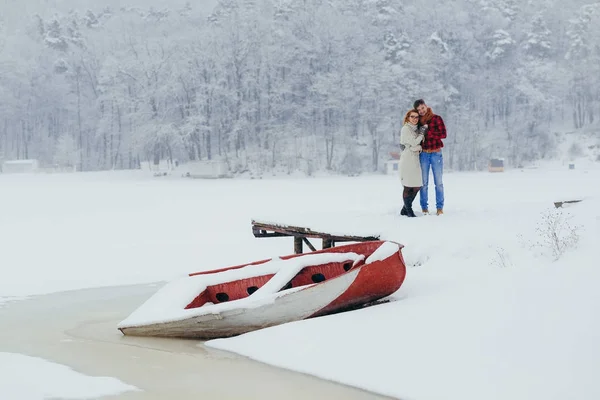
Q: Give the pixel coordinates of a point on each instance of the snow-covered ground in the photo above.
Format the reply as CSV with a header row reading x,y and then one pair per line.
x,y
484,311
31,378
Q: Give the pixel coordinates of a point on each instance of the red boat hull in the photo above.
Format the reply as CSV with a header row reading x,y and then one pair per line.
x,y
379,280
316,290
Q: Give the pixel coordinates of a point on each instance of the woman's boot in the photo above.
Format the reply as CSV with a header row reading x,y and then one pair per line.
x,y
408,200
409,211
405,193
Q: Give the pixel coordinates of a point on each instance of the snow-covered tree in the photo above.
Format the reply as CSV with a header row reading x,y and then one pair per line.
x,y
292,85
538,42
583,56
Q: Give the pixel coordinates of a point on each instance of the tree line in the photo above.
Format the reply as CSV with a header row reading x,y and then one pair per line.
x,y
296,85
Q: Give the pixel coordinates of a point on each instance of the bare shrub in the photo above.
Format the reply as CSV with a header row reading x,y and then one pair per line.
x,y
556,234
501,259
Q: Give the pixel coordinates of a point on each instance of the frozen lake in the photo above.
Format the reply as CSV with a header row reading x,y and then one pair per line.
x,y
78,329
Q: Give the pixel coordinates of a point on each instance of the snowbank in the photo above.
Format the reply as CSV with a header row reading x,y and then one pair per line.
x,y
484,312
30,378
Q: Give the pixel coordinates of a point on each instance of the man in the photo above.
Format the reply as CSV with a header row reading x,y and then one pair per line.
x,y
431,155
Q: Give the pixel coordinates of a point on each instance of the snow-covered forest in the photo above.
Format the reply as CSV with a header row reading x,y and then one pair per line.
x,y
291,84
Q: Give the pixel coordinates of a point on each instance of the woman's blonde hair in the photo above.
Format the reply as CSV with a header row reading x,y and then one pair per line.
x,y
412,110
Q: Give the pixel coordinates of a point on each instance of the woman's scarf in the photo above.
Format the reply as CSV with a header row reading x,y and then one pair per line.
x,y
413,129
411,126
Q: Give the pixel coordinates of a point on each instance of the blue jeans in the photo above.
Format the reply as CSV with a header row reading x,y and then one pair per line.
x,y
435,161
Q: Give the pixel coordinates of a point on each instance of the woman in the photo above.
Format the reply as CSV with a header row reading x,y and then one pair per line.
x,y
410,166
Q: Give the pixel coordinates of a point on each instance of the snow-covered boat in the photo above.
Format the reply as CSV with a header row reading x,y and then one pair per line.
x,y
231,301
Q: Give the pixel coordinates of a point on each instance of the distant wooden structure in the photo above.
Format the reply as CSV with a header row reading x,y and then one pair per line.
x,y
301,235
559,204
496,165
393,164
207,169
392,167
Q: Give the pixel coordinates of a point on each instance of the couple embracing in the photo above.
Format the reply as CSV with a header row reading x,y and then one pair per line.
x,y
421,137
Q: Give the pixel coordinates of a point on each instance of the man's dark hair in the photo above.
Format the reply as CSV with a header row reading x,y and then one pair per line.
x,y
418,103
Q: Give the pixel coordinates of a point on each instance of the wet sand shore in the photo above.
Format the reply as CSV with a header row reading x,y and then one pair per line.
x,y
78,329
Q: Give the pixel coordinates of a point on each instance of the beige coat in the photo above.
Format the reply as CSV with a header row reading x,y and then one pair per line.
x,y
410,165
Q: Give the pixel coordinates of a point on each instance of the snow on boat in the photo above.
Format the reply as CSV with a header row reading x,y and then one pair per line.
x,y
231,301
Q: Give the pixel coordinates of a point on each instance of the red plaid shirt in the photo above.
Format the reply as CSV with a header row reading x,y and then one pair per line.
x,y
436,131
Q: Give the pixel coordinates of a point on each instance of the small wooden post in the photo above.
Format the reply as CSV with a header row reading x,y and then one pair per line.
x,y
327,243
298,244
559,204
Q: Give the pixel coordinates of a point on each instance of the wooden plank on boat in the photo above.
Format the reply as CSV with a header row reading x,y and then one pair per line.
x,y
300,234
262,229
